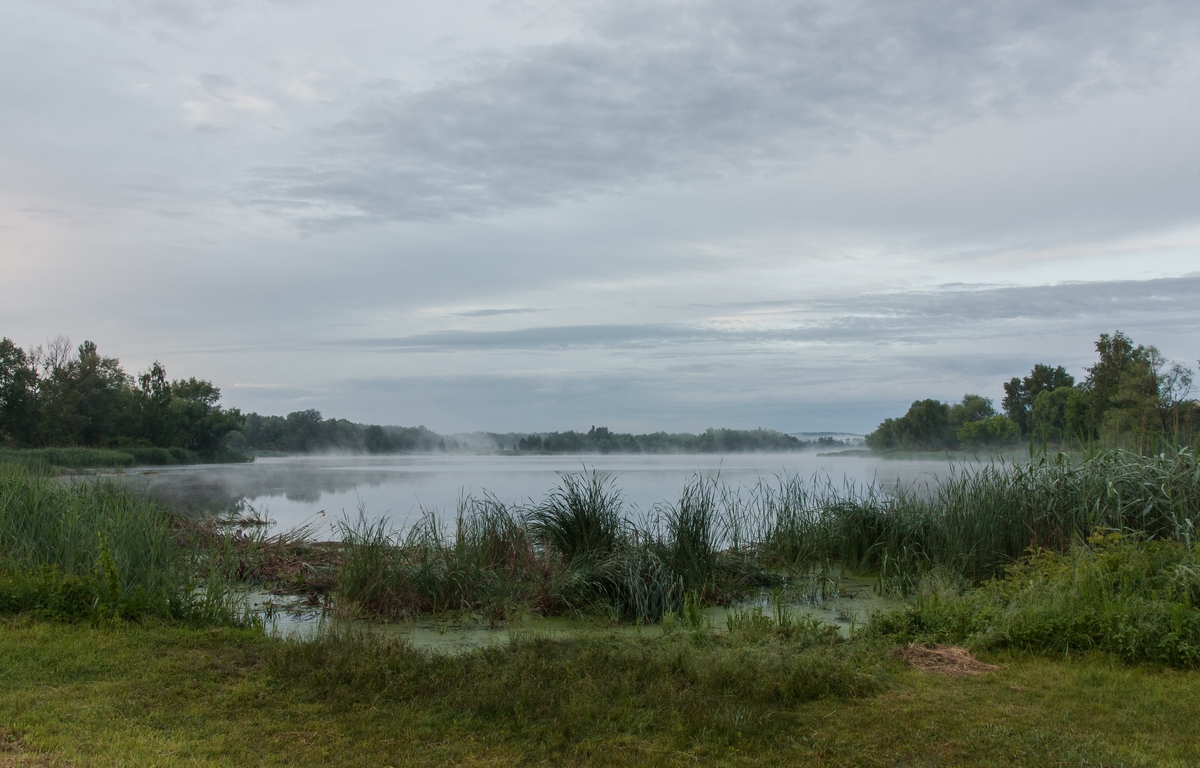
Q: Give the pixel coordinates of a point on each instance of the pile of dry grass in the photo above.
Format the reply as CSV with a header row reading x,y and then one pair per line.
x,y
949,660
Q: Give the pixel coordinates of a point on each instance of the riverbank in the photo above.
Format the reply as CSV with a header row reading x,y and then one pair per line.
x,y
58,459
125,638
75,694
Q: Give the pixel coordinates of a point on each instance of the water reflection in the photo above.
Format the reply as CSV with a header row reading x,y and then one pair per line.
x,y
849,605
291,490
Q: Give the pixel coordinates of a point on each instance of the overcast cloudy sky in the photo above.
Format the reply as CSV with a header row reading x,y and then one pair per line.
x,y
526,215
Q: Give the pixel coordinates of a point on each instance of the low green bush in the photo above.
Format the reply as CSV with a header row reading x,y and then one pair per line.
x,y
45,591
1136,599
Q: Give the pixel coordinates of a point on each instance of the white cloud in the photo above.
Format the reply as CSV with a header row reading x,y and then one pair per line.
x,y
700,213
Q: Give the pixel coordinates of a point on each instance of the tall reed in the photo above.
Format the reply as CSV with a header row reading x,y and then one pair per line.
x,y
487,562
578,550
980,518
116,553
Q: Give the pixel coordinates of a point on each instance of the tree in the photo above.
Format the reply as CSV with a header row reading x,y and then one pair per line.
x,y
18,393
304,428
82,398
1121,383
1019,394
1061,415
199,423
994,430
376,440
153,407
1174,386
926,427
1136,390
972,408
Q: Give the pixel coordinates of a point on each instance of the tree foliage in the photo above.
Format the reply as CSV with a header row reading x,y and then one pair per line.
x,y
1132,396
603,440
931,425
309,432
1020,393
59,396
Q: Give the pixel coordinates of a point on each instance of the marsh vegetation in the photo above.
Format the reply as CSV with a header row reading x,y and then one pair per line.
x,y
95,547
1070,557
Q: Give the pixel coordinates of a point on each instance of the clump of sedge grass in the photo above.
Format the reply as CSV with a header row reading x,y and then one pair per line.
x,y
581,519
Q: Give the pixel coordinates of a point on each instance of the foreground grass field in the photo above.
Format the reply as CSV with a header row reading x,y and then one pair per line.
x,y
77,694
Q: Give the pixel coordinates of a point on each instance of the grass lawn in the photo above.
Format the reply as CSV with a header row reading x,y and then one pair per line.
x,y
76,694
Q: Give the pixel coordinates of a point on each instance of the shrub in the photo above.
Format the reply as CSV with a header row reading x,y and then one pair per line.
x,y
1139,600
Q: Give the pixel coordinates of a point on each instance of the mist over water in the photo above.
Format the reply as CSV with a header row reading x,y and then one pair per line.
x,y
299,489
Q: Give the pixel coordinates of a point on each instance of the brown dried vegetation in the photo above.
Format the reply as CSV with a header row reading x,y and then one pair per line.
x,y
948,660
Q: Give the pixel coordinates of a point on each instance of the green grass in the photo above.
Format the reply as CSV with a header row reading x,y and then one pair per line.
x,y
1137,600
68,458
94,550
108,458
159,695
1095,633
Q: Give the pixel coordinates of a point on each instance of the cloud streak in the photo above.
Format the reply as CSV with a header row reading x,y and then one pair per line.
x,y
875,319
664,93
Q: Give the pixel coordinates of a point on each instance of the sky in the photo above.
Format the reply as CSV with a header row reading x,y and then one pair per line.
x,y
528,215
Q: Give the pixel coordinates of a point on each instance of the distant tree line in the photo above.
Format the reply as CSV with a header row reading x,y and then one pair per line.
x,y
602,440
1132,396
59,396
308,432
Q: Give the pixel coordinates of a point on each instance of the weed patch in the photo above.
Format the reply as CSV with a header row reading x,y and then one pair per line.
x,y
1132,598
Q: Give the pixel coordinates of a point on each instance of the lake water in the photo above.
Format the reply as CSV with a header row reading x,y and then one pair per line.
x,y
299,489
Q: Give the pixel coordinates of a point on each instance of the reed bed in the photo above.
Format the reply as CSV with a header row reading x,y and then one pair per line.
x,y
975,522
582,549
93,549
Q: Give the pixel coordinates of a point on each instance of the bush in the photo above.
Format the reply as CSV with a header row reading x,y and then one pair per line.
x,y
1133,598
163,456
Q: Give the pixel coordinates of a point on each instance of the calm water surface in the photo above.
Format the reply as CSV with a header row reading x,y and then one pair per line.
x,y
298,489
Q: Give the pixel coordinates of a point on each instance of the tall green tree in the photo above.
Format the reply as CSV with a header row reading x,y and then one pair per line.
x,y
1137,393
18,395
56,395
82,398
925,427
1061,415
199,423
1020,393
